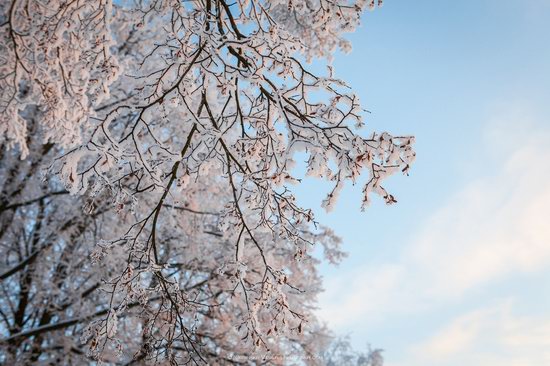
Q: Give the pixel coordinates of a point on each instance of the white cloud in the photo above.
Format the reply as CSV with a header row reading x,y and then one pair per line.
x,y
492,336
358,295
496,225
457,337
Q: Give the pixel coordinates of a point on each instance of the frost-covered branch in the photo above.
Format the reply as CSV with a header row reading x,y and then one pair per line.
x,y
175,126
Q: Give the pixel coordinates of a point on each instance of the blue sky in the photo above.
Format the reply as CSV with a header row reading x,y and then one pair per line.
x,y
458,272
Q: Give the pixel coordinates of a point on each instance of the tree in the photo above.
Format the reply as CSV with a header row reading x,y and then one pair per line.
x,y
175,125
341,353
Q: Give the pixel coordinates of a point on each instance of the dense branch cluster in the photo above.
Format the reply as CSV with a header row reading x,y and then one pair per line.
x,y
167,230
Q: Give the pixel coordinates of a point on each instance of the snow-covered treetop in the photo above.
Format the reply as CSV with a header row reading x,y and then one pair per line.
x,y
164,104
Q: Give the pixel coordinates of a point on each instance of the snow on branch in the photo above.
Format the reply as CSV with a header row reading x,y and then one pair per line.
x,y
176,126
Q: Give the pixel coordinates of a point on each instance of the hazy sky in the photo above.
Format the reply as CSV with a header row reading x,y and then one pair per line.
x,y
458,272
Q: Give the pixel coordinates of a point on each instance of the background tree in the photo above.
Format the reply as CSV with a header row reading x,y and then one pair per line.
x,y
341,353
176,126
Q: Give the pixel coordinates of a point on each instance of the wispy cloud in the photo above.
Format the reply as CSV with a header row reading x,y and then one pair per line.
x,y
490,336
495,225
